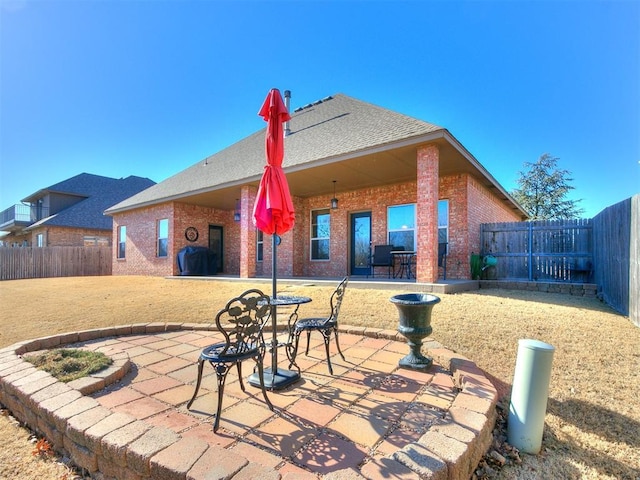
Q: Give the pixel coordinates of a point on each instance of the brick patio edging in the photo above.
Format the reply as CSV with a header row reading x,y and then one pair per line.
x,y
117,446
576,289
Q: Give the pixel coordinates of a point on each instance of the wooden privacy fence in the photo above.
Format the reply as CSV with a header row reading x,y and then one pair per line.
x,y
546,250
604,250
617,256
35,262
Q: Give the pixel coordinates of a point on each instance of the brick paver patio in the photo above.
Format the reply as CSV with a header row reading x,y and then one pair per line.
x,y
371,419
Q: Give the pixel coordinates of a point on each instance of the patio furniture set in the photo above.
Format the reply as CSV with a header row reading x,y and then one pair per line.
x,y
242,323
400,262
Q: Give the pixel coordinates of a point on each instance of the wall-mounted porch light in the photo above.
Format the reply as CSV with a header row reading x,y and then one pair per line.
x,y
236,213
334,200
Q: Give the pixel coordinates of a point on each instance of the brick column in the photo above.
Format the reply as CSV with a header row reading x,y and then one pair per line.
x,y
247,233
300,235
427,214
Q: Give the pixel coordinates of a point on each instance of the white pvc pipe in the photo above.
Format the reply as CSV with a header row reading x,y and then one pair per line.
x,y
529,395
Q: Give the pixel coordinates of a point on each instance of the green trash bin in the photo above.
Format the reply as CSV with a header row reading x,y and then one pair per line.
x,y
476,267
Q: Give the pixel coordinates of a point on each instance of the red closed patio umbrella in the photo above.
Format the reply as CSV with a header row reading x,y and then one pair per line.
x,y
273,214
273,211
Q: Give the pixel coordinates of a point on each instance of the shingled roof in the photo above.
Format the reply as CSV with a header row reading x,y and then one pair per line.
x,y
330,128
99,194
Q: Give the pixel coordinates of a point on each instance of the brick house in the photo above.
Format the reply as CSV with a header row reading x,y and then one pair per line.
x,y
396,180
69,213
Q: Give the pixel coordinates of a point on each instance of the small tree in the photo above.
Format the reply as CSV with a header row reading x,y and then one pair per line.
x,y
543,191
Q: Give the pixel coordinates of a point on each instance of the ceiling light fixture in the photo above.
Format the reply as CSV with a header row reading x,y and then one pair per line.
x,y
334,200
236,213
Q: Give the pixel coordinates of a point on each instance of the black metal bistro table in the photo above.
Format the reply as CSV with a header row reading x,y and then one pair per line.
x,y
276,378
406,258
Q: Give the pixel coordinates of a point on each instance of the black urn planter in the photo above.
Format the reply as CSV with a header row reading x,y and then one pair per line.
x,y
415,323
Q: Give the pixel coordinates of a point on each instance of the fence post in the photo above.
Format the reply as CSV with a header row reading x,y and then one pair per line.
x,y
530,246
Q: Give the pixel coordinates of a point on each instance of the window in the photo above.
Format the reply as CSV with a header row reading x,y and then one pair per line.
x,y
163,237
443,221
320,234
93,241
401,226
259,246
122,241
40,240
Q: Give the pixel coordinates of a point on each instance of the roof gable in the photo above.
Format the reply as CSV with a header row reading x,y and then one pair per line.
x,y
341,125
332,127
100,192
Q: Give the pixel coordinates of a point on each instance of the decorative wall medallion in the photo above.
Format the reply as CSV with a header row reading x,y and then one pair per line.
x,y
191,234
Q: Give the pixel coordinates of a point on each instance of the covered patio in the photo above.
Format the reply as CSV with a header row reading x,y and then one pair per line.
x,y
357,281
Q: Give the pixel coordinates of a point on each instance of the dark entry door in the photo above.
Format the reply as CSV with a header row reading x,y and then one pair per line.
x,y
215,245
360,247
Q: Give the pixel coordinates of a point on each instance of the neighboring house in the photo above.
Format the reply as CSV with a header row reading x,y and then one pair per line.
x,y
396,180
69,213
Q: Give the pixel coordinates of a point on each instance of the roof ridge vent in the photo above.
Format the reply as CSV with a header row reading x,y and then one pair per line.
x,y
309,105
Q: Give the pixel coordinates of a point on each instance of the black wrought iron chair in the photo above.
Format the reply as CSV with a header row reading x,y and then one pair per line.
x,y
324,325
241,322
381,258
442,259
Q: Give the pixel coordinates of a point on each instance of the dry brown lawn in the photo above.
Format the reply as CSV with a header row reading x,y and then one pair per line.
x,y
592,427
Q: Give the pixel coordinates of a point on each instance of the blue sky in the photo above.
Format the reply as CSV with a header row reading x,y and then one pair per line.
x,y
148,88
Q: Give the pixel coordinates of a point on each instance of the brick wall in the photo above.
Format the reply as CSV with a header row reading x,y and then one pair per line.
x,y
484,207
141,257
187,215
427,213
374,200
58,236
285,255
247,239
69,237
454,189
470,204
300,237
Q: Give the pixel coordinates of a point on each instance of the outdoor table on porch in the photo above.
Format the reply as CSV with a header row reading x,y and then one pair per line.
x,y
274,377
405,258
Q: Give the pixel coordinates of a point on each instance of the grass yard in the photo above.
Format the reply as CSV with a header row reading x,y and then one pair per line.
x,y
592,427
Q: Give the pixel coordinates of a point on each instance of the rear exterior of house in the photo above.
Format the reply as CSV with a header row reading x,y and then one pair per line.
x,y
397,180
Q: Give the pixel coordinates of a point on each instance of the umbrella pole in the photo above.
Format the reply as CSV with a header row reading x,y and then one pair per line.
x,y
274,309
274,378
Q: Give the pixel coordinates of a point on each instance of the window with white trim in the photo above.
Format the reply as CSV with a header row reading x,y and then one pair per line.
x,y
163,238
320,234
259,245
122,241
401,226
443,222
93,241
